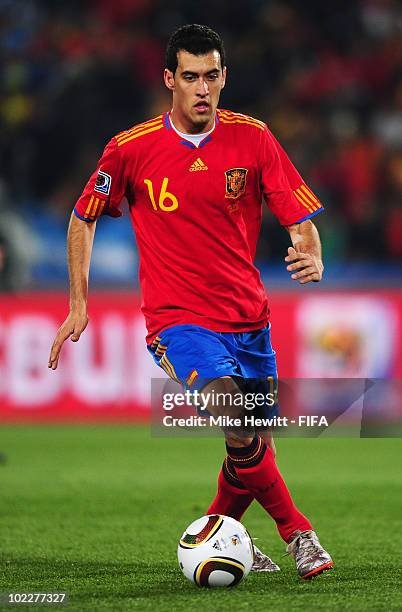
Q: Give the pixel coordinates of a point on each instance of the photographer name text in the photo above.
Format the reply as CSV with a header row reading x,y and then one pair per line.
x,y
247,421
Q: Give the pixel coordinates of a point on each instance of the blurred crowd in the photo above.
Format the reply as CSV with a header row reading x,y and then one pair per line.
x,y
325,76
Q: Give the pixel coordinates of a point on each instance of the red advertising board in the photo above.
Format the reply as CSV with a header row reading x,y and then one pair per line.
x,y
106,375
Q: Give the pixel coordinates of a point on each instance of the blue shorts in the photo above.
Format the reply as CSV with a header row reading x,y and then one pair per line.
x,y
193,356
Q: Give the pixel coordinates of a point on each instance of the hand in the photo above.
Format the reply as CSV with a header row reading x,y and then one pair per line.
x,y
310,268
73,326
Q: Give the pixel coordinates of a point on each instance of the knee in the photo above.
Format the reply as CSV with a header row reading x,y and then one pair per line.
x,y
238,441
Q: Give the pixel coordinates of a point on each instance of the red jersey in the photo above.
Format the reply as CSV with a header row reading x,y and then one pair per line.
x,y
196,213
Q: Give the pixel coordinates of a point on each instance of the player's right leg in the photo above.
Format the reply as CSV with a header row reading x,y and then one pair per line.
x,y
258,362
193,355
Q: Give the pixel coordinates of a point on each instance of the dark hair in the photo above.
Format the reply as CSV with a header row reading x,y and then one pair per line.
x,y
195,39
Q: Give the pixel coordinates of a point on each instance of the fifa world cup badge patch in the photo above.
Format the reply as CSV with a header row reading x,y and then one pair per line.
x,y
103,183
235,182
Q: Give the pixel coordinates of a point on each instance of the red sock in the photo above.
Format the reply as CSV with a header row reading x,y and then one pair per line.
x,y
232,498
256,468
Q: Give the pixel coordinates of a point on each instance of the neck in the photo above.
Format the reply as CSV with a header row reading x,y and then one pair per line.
x,y
184,125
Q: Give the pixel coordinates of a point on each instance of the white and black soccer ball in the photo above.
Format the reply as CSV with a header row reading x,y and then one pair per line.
x,y
215,551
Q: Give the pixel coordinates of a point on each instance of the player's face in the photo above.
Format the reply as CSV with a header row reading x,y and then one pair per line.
x,y
196,87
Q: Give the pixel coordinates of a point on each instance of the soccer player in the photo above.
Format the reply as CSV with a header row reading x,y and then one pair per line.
x,y
194,179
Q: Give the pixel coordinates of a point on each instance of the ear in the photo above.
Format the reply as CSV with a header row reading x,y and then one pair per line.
x,y
224,73
168,77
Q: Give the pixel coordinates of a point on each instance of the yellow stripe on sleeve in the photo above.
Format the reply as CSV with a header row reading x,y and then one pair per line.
x,y
89,207
308,192
244,121
141,133
101,207
95,208
303,200
240,116
138,128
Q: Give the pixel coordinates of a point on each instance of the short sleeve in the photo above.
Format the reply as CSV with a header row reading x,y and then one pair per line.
x,y
285,192
105,189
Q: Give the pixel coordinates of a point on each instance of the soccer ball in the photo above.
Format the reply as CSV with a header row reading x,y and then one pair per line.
x,y
215,551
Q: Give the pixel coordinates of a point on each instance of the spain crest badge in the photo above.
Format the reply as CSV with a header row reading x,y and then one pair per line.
x,y
235,182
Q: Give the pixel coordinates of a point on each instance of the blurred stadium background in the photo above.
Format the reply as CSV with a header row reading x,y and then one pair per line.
x,y
325,76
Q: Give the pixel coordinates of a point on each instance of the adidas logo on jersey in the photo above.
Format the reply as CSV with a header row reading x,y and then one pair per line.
x,y
198,165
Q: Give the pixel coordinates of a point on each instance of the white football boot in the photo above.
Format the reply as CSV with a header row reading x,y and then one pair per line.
x,y
311,559
262,563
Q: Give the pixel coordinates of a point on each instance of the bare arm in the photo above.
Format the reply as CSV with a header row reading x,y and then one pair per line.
x,y
304,258
80,239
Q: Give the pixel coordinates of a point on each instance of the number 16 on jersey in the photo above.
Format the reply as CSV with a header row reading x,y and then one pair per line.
x,y
164,196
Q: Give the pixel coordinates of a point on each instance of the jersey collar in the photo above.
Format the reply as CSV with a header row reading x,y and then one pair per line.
x,y
187,143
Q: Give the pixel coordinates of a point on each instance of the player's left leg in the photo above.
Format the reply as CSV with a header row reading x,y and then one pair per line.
x,y
256,467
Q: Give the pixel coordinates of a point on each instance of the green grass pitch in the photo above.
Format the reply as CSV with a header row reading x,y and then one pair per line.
x,y
97,512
